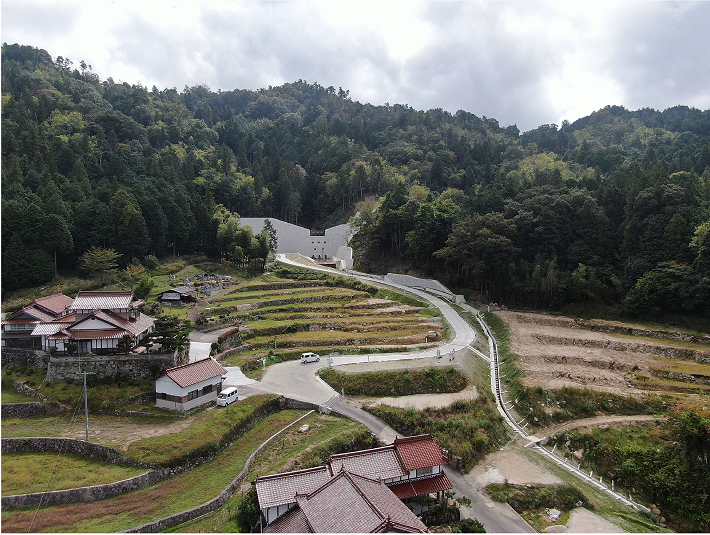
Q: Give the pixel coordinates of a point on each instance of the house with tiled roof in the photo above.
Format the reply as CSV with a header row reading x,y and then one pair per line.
x,y
178,296
410,467
348,503
17,329
185,387
277,493
94,322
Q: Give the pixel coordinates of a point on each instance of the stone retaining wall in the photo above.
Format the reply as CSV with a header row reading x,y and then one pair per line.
x,y
24,357
131,366
212,505
83,448
83,494
155,475
28,409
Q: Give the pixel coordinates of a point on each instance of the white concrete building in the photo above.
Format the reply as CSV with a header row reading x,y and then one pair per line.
x,y
294,239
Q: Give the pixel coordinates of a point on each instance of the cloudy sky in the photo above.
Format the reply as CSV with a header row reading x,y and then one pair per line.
x,y
526,63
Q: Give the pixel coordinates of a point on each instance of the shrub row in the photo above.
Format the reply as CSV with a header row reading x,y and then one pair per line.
x,y
399,383
468,429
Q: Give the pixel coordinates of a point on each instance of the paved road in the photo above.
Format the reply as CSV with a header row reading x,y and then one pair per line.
x,y
299,381
496,517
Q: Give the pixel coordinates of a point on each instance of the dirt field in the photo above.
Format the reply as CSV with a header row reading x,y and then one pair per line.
x,y
557,351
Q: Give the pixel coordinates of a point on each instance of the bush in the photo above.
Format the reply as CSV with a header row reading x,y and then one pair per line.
x,y
468,525
400,383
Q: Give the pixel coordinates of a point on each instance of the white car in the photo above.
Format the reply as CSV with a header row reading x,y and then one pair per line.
x,y
309,357
227,396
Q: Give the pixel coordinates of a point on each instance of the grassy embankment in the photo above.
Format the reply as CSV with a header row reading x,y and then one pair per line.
x,y
26,473
295,450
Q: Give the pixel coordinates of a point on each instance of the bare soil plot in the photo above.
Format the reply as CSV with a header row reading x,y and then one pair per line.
x,y
557,352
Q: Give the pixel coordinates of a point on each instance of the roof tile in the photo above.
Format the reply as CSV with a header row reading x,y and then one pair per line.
x,y
419,452
376,463
195,372
102,300
419,487
280,489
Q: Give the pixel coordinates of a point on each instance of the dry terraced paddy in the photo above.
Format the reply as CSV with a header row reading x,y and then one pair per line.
x,y
285,317
557,352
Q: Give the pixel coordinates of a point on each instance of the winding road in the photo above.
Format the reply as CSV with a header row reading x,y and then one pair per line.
x,y
299,381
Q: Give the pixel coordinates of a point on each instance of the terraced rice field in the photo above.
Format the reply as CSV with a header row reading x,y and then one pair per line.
x,y
283,318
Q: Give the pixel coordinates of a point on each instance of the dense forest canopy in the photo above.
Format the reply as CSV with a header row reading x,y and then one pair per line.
x,y
614,207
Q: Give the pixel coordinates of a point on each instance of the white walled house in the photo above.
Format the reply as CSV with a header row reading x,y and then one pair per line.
x,y
185,387
95,322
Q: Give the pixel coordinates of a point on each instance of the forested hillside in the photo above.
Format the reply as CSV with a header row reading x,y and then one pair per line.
x,y
614,207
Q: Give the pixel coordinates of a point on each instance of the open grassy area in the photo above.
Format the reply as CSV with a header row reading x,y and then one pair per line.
x,y
207,430
179,493
25,473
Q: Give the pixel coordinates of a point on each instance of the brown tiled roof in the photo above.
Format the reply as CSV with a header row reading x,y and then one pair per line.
x,y
293,521
49,328
195,372
376,463
55,303
36,314
349,503
419,487
102,300
95,334
281,489
419,452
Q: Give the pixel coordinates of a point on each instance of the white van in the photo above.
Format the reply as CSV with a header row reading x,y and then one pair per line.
x,y
227,396
309,357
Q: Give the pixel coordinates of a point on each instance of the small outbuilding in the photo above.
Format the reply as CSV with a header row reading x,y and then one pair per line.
x,y
189,386
179,296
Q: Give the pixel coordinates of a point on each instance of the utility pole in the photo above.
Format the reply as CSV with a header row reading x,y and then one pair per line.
x,y
86,404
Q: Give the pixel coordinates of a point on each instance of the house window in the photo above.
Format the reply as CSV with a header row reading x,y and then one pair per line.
x,y
207,390
192,395
424,471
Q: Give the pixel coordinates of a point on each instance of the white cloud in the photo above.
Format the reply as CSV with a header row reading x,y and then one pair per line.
x,y
520,62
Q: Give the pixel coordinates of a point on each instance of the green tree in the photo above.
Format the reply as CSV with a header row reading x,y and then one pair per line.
x,y
99,261
144,287
170,333
132,273
132,236
57,237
